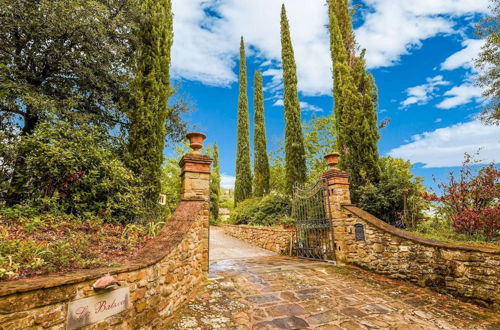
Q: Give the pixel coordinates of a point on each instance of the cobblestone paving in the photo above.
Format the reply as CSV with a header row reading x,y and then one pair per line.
x,y
289,293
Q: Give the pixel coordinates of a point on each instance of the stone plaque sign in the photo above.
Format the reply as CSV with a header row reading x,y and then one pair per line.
x,y
97,308
359,232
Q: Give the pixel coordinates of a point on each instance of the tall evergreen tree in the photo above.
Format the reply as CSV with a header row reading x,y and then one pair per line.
x,y
243,185
294,139
355,95
148,110
261,165
488,63
215,185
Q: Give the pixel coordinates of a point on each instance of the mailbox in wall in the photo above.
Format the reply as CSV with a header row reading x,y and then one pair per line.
x,y
359,232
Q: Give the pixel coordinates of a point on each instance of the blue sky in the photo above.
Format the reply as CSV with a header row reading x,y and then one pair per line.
x,y
420,53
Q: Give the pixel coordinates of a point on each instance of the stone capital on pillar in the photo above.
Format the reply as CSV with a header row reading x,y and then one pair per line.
x,y
195,171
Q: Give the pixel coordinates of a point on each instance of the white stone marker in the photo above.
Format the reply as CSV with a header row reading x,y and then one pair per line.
x,y
96,308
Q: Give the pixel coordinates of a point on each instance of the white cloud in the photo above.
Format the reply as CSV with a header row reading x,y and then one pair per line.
x,y
460,95
394,28
422,94
198,53
438,120
464,57
309,107
227,181
206,47
445,147
304,106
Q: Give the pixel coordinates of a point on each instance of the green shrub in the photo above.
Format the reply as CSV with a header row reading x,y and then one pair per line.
x,y
266,211
441,229
227,204
386,199
76,170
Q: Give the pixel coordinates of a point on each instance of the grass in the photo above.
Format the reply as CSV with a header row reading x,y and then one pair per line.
x,y
33,246
442,230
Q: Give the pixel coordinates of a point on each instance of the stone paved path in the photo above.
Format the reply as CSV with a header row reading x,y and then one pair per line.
x,y
287,293
223,247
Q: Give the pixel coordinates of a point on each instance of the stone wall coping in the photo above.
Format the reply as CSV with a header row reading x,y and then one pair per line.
x,y
195,158
261,228
371,219
153,252
335,172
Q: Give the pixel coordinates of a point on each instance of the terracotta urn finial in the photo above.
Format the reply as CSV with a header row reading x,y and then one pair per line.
x,y
332,159
196,141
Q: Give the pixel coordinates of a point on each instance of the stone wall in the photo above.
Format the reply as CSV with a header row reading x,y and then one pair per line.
x,y
468,272
161,277
269,238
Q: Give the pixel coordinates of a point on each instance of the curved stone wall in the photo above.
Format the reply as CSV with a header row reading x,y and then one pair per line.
x,y
269,238
161,277
468,272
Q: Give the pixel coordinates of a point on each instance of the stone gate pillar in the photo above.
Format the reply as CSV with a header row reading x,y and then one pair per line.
x,y
195,171
195,185
338,194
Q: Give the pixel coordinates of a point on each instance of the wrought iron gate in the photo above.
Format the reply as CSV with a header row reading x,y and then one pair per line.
x,y
314,234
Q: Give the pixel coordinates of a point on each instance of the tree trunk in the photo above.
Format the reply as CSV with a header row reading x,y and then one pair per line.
x,y
18,181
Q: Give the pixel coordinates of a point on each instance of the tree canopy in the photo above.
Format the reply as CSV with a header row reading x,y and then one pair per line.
x,y
261,163
488,63
69,58
148,109
295,158
355,95
243,184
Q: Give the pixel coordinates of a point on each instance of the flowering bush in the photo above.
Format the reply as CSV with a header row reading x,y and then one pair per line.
x,y
471,200
485,220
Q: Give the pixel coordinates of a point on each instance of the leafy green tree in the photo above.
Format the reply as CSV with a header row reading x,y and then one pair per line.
x,y
319,140
215,186
261,166
243,184
355,95
64,58
150,91
294,139
171,178
488,63
277,172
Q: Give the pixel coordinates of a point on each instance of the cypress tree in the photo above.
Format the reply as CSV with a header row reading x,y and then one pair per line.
x,y
243,185
295,162
261,165
355,95
215,185
151,89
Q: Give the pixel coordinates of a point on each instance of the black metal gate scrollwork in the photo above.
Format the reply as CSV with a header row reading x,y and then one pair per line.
x,y
314,234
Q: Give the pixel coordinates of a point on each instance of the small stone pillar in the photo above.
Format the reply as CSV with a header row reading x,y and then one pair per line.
x,y
195,173
195,186
338,194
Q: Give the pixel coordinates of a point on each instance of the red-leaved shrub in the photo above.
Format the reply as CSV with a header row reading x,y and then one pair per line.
x,y
471,201
485,220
